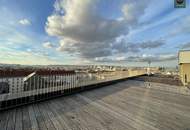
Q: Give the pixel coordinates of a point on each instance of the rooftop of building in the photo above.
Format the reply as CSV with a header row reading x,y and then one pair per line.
x,y
184,50
128,105
184,56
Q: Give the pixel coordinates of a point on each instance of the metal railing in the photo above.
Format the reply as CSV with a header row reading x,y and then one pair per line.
x,y
34,87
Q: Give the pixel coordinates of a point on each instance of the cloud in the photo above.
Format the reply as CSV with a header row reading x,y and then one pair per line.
x,y
87,28
139,58
24,22
12,35
152,44
153,58
99,49
123,46
133,10
82,30
181,26
12,56
48,45
185,46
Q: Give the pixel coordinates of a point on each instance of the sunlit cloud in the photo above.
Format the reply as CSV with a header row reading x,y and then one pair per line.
x,y
48,45
24,22
85,31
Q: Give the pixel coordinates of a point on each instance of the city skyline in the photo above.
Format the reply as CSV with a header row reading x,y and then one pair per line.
x,y
118,32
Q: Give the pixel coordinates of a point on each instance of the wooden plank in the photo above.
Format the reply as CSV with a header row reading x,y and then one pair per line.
x,y
7,119
4,117
170,115
11,122
39,118
107,119
84,119
63,117
134,110
180,109
56,118
118,113
44,112
171,97
160,105
97,121
34,124
18,123
26,119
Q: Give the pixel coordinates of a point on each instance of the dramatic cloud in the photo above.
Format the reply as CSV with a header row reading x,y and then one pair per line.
x,y
25,22
82,23
142,58
82,30
48,45
98,49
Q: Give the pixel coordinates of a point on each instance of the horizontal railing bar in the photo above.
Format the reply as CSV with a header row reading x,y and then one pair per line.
x,y
39,88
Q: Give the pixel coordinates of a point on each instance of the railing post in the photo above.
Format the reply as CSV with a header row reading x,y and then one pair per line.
x,y
62,83
38,88
54,82
61,80
72,83
33,84
69,82
57,87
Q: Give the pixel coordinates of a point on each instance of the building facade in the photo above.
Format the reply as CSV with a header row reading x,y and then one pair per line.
x,y
14,84
184,66
19,81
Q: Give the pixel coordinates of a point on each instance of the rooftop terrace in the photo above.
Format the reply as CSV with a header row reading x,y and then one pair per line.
x,y
123,106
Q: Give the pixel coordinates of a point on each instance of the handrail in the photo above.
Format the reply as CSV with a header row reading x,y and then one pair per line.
x,y
16,91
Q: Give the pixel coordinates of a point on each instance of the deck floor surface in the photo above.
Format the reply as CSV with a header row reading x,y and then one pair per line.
x,y
128,105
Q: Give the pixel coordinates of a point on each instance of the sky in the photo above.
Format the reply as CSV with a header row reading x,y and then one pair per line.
x,y
77,32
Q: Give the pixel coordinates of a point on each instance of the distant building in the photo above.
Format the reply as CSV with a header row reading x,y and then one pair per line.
x,y
19,80
40,80
11,84
184,66
4,87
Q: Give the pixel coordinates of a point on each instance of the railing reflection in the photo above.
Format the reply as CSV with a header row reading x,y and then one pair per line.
x,y
36,86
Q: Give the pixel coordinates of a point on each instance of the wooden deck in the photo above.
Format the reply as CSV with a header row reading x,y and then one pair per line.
x,y
128,105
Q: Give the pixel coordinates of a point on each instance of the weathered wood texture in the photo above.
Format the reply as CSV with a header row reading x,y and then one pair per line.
x,y
129,105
